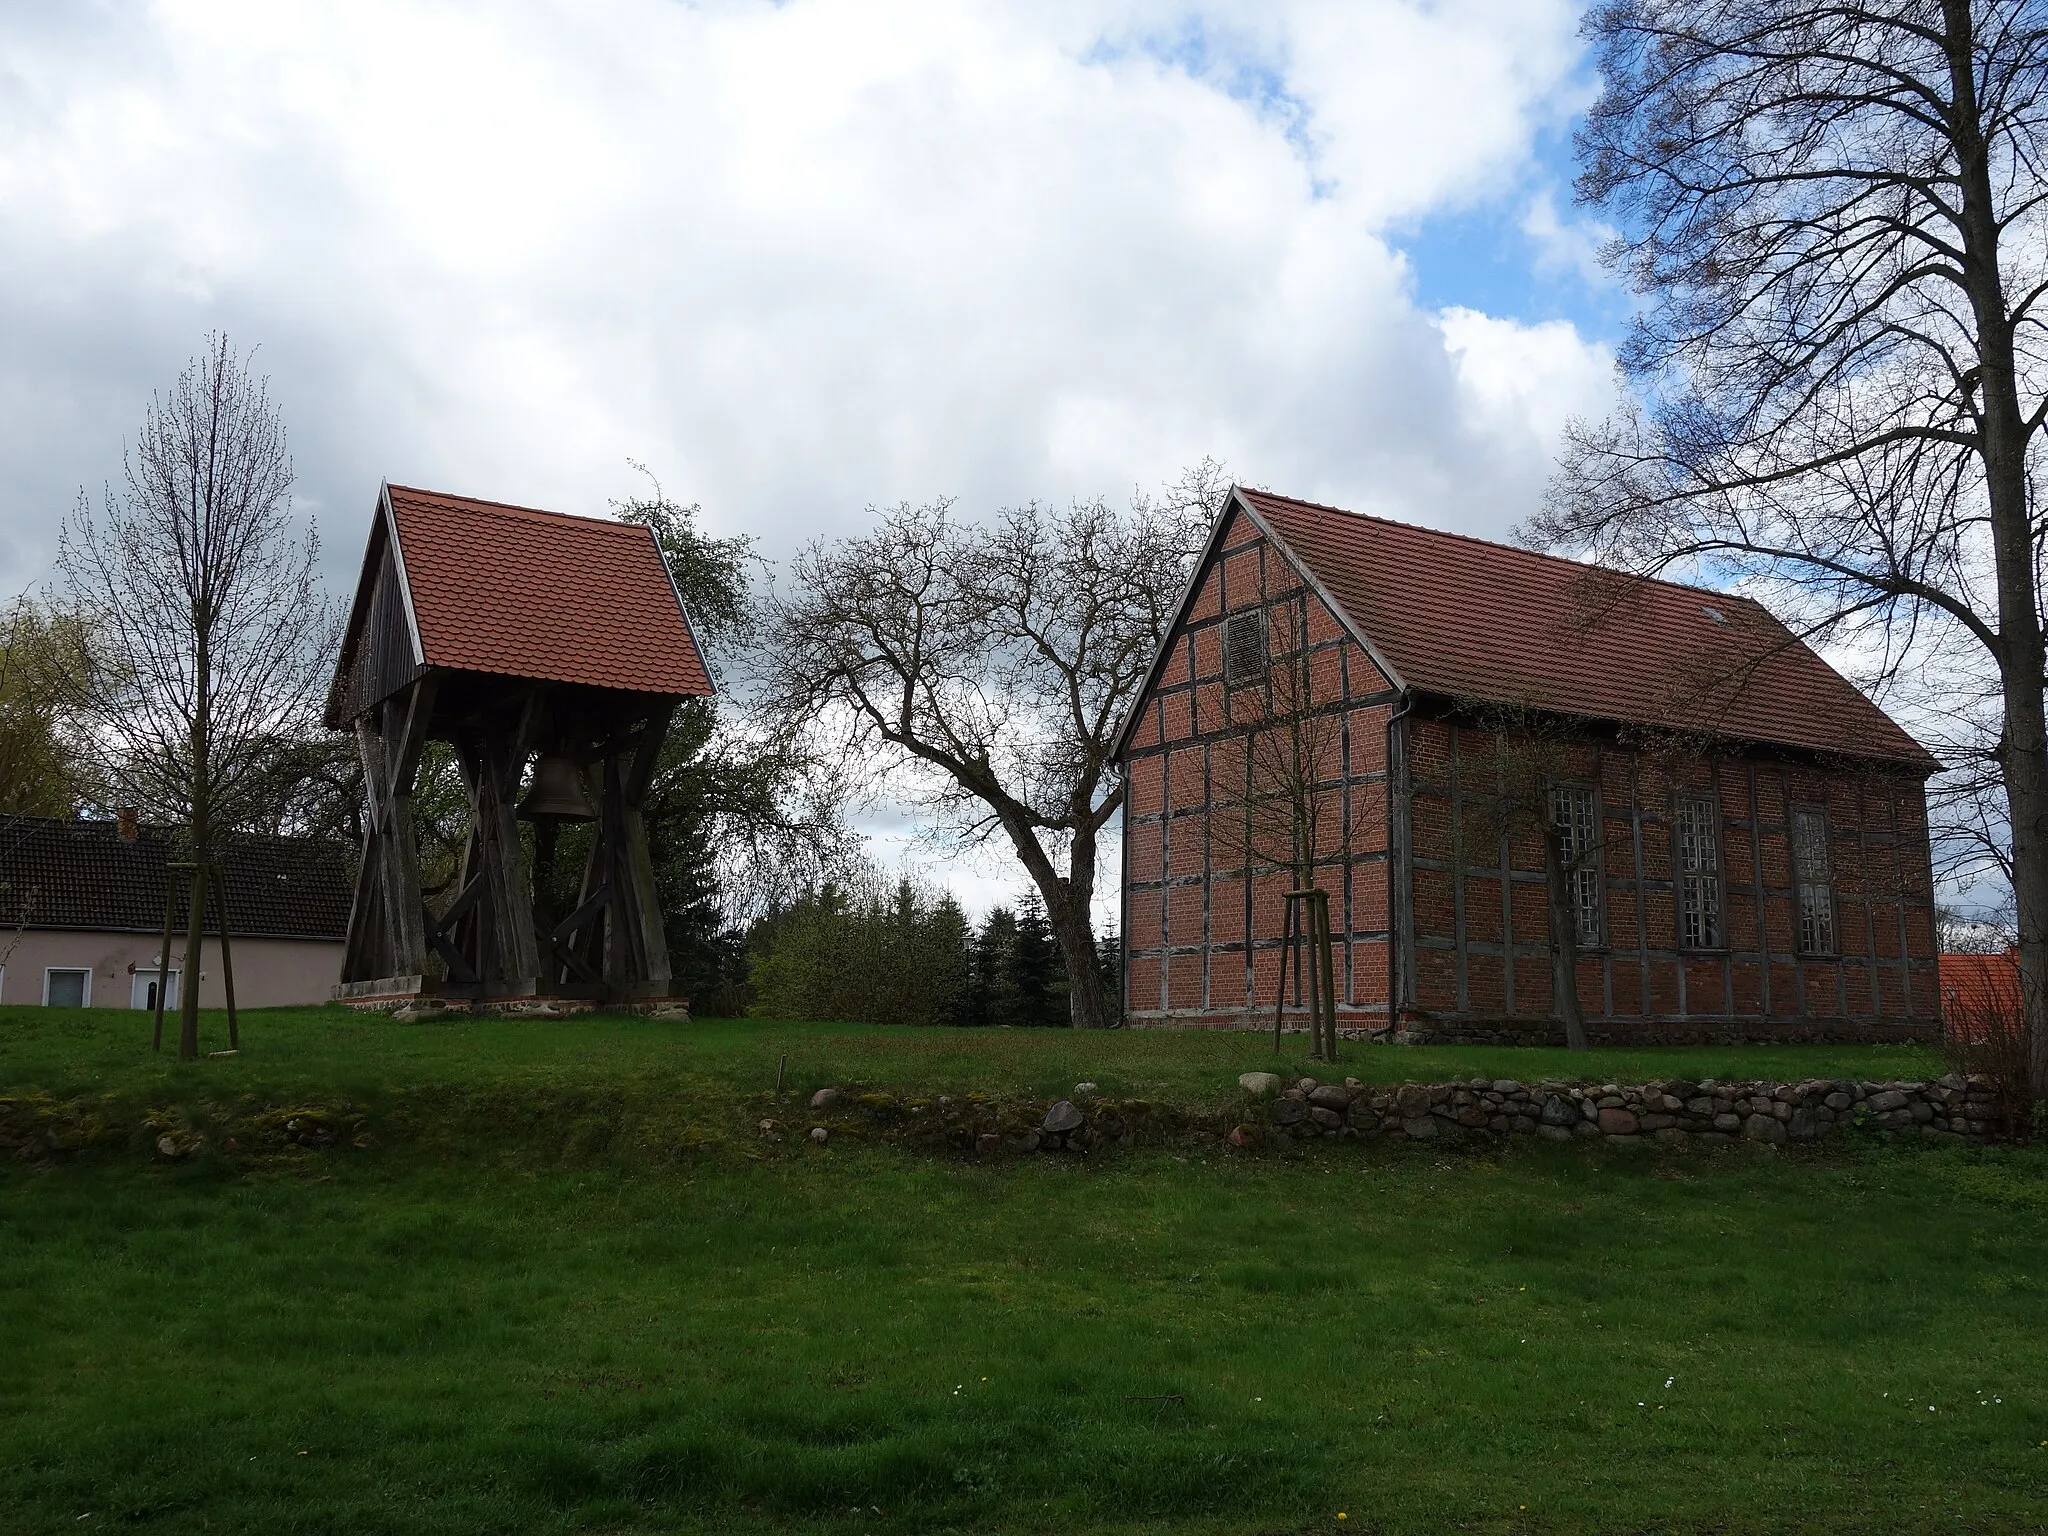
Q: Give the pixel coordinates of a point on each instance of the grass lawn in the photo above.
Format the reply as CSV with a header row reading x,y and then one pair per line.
x,y
332,1051
521,1331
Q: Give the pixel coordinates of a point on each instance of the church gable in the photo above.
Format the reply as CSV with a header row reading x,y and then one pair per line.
x,y
1203,898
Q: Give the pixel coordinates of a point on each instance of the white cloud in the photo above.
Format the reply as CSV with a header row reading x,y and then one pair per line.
x,y
1565,245
1519,384
798,257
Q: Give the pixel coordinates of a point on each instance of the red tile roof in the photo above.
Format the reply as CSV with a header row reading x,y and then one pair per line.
x,y
1980,991
526,593
1473,620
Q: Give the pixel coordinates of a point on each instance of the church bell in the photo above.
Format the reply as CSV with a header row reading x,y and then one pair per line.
x,y
557,791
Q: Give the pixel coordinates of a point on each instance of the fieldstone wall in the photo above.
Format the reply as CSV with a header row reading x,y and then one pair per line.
x,y
1676,1110
1639,1032
976,1122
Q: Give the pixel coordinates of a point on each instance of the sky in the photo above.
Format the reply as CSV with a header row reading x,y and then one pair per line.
x,y
805,258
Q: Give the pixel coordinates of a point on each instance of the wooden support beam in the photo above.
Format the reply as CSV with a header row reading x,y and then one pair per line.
x,y
227,957
386,932
636,959
494,931
460,970
492,937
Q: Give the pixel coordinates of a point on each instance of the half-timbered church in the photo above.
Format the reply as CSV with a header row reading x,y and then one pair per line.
x,y
1750,829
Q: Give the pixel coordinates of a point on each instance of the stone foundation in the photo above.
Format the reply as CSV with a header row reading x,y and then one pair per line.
x,y
1674,1111
1692,1031
1370,1026
428,1008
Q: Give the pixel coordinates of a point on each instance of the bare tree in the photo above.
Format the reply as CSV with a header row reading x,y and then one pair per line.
x,y
1970,933
979,673
1294,808
213,637
23,902
1835,215
1539,792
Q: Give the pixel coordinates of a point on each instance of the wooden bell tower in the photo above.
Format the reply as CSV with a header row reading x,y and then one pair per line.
x,y
527,640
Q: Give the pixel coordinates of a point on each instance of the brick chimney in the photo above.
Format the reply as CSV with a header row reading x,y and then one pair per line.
x,y
126,824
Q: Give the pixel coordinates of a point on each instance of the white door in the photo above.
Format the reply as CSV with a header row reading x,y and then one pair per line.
x,y
144,995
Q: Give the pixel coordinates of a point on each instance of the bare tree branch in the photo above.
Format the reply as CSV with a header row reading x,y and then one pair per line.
x,y
979,673
1838,383
212,637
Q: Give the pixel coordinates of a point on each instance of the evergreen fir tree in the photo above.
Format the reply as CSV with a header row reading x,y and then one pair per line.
x,y
945,959
1034,965
1109,964
994,989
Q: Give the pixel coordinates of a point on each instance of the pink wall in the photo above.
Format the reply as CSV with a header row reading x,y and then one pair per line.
x,y
268,972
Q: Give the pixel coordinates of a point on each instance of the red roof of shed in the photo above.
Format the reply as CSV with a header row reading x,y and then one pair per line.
x,y
526,593
1473,620
1980,981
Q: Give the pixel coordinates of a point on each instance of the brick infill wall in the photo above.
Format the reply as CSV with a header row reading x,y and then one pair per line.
x,y
1674,1111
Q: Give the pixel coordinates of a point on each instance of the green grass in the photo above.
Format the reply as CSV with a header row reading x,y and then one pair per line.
x,y
331,1051
514,1330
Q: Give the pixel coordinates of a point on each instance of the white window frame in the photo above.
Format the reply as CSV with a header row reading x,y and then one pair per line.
x,y
1813,874
1696,850
1575,823
85,992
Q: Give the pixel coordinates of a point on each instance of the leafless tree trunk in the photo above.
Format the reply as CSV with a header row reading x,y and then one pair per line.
x,y
213,636
1836,217
1536,758
1564,939
1294,807
23,901
980,673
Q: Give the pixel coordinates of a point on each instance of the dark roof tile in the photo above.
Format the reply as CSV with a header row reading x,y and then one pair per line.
x,y
83,875
1469,619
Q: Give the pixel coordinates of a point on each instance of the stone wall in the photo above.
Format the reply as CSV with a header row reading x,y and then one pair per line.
x,y
1675,1110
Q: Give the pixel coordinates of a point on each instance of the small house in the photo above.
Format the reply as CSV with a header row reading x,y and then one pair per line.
x,y
82,917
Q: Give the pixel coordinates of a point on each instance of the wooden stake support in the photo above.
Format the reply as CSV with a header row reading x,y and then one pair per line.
x,y
216,881
1308,922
